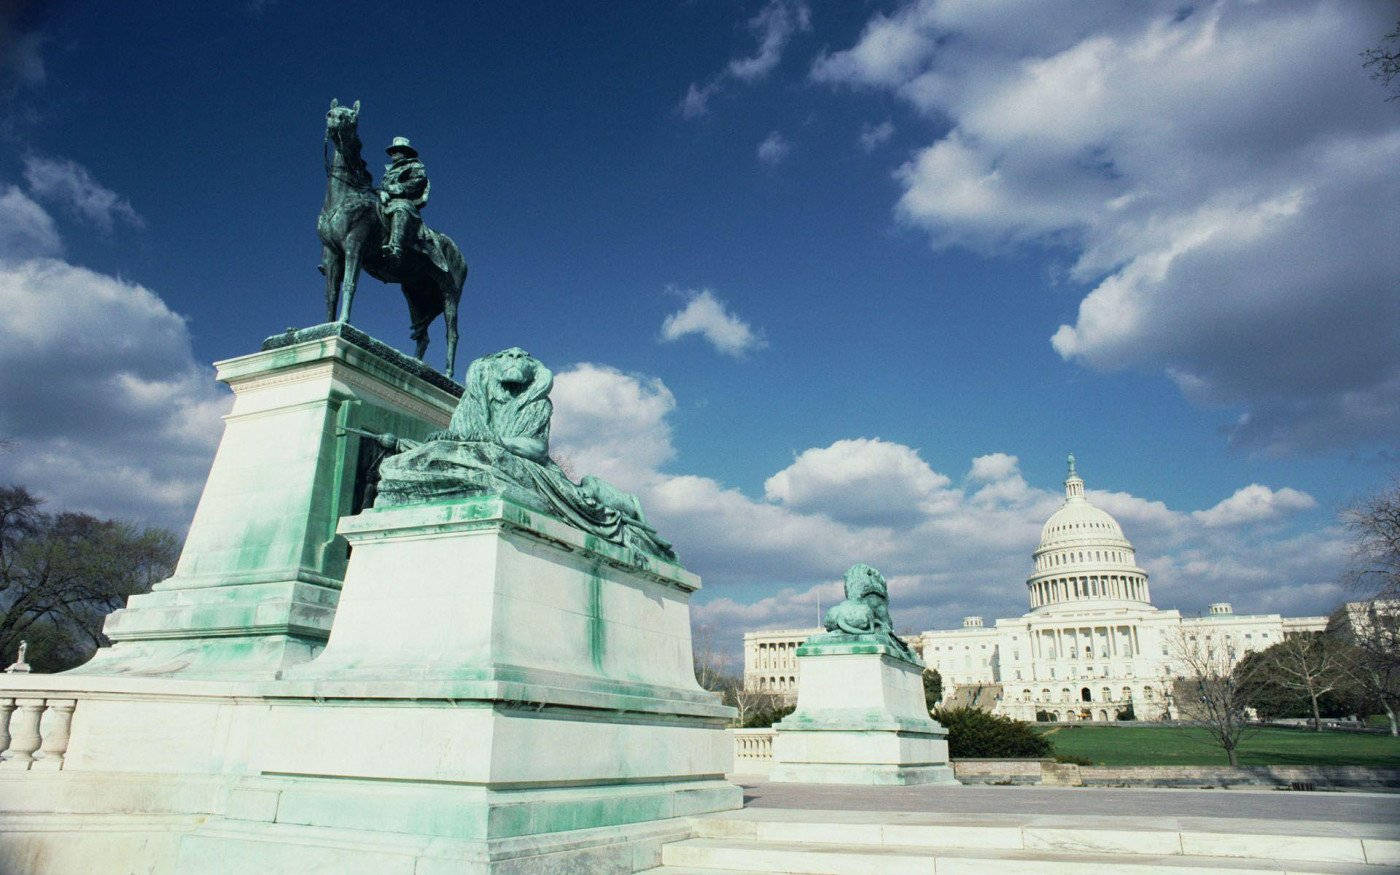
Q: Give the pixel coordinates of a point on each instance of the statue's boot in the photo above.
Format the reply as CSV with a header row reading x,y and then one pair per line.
x,y
393,250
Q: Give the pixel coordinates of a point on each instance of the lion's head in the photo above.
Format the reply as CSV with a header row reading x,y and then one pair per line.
x,y
507,395
863,580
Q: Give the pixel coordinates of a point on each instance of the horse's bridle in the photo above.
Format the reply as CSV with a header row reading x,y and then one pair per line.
x,y
326,145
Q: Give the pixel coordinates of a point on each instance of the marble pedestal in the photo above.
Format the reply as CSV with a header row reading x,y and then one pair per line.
x,y
861,718
259,577
500,692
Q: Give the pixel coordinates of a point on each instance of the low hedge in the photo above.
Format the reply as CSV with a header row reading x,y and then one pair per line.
x,y
973,732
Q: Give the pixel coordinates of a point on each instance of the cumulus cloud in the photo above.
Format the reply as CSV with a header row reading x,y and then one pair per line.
x,y
71,185
102,405
773,27
950,548
707,316
994,466
774,148
865,481
1224,175
612,424
1255,503
26,229
873,137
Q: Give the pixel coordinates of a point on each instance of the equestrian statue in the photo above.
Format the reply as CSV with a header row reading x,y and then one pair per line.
x,y
381,231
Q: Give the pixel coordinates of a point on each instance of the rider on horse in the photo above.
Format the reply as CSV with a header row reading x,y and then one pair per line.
x,y
404,191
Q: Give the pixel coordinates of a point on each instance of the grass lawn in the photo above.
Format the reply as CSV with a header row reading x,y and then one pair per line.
x,y
1189,746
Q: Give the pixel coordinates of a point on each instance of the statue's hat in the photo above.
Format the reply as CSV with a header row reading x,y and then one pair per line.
x,y
401,146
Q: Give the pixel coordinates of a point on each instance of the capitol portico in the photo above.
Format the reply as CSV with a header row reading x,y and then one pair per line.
x,y
1092,646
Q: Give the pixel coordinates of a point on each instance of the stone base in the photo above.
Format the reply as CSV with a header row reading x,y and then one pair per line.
x,y
500,692
297,825
259,576
861,718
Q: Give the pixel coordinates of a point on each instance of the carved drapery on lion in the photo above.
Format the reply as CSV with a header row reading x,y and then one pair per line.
x,y
498,443
866,609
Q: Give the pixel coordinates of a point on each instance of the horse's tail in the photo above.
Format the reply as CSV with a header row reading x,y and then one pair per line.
x,y
456,264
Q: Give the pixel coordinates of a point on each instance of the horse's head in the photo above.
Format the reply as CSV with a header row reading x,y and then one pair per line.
x,y
341,120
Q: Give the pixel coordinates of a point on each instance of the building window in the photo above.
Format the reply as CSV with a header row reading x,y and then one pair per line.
x,y
1086,695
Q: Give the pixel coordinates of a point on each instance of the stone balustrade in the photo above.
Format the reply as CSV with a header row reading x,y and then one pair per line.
x,y
753,750
34,731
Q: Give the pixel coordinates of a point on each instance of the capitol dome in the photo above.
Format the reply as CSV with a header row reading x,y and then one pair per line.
x,y
1083,560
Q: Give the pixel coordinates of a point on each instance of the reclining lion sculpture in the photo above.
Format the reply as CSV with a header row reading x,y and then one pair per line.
x,y
498,443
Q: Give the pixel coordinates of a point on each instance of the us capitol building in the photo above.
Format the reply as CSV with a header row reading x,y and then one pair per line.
x,y
1091,646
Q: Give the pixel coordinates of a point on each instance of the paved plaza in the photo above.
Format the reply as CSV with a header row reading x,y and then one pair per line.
x,y
1357,808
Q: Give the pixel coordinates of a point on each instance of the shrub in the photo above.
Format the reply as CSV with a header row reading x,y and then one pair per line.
x,y
766,715
976,733
1043,716
1126,712
933,687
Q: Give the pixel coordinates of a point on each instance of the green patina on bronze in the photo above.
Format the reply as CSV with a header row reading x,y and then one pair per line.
x,y
498,444
595,616
861,623
381,232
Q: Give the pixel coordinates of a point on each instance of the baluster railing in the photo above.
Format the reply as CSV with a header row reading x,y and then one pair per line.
x,y
34,733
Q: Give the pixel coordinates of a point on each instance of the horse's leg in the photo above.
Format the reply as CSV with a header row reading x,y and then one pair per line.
x,y
414,293
330,267
449,322
354,244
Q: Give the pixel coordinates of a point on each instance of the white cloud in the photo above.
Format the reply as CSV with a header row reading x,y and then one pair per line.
x,y
697,99
773,27
774,148
102,404
863,481
611,424
71,185
708,317
1224,174
1255,503
26,229
873,137
994,466
953,549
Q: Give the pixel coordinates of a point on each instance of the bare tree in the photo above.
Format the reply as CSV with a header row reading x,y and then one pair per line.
x,y
1212,691
709,661
1369,636
1384,60
751,701
1372,626
1310,664
1374,526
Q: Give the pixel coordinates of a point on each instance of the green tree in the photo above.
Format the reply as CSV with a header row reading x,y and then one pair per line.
x,y
933,687
61,574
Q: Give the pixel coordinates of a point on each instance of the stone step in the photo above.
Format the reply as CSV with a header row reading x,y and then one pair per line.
x,y
714,855
1300,841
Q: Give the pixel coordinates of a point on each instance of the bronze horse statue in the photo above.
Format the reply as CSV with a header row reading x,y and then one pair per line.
x,y
431,270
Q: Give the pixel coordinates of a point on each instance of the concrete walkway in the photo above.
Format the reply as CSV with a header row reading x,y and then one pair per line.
x,y
1273,805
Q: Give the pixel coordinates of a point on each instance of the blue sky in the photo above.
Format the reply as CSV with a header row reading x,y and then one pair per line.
x,y
811,274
